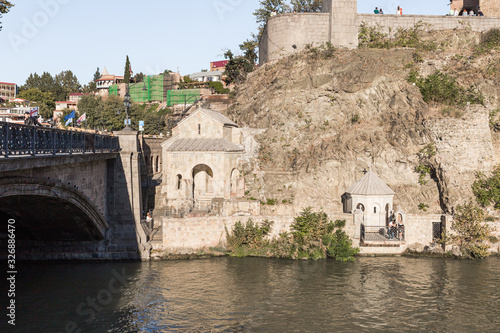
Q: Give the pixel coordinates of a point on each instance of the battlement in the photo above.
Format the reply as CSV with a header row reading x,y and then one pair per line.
x,y
339,24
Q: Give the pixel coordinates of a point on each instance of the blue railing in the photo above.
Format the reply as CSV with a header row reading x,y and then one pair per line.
x,y
16,140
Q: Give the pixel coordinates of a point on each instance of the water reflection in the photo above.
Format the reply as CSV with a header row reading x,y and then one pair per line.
x,y
247,295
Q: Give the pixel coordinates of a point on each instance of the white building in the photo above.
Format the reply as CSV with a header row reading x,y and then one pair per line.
x,y
371,196
213,76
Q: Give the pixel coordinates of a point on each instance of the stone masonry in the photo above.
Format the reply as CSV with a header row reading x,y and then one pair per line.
x,y
339,23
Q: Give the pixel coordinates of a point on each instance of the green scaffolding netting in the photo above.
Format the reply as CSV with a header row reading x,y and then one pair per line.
x,y
184,96
149,90
113,90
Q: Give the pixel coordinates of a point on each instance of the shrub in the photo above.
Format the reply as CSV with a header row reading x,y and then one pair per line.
x,y
490,39
423,207
218,87
423,170
250,235
373,37
487,189
470,232
441,88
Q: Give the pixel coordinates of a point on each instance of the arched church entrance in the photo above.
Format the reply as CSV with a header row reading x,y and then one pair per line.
x,y
202,182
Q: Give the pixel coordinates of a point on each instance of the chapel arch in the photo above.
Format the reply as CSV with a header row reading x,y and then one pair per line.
x,y
360,206
234,182
202,176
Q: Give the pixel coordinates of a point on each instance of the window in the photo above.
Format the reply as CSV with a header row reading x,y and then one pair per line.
x,y
179,184
375,210
199,129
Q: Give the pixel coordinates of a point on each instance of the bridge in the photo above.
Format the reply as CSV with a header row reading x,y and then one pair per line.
x,y
73,195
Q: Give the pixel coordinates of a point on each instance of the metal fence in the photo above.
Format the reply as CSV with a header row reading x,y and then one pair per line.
x,y
382,234
18,140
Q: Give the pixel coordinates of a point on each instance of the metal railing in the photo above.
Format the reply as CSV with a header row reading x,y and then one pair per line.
x,y
18,140
382,234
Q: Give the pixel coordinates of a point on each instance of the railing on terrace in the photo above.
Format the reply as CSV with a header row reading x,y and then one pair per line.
x,y
18,140
382,234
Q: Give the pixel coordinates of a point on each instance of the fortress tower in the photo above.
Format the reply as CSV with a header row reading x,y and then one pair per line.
x,y
343,28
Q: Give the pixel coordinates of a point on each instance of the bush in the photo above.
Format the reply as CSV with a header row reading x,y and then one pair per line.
x,y
373,37
441,88
218,87
470,232
250,235
490,39
487,189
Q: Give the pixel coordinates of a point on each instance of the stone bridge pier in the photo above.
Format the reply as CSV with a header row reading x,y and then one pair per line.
x,y
75,206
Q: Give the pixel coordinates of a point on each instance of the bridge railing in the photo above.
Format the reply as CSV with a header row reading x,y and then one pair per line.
x,y
17,140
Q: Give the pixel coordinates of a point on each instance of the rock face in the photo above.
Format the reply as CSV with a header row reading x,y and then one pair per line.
x,y
329,119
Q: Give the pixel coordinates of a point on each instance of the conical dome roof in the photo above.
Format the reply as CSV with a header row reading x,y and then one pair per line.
x,y
370,184
104,71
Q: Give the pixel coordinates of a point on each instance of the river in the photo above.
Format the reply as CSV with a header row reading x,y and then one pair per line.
x,y
384,294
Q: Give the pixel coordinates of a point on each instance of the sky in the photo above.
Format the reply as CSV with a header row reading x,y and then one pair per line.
x,y
82,35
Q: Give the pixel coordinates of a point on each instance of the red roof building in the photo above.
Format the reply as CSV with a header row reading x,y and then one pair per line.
x,y
218,66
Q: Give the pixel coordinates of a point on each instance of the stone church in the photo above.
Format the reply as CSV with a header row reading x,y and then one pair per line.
x,y
200,161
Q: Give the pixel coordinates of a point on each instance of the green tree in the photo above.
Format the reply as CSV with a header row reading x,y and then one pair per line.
x,y
238,67
139,77
5,7
44,100
307,6
68,83
126,75
267,7
469,231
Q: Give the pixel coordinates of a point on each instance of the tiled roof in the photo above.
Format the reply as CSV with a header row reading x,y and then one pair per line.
x,y
370,184
217,116
11,84
204,145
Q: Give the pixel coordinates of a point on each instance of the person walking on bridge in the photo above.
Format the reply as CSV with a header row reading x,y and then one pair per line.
x,y
30,120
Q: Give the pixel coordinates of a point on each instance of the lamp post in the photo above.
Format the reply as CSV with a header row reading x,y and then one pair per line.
x,y
127,104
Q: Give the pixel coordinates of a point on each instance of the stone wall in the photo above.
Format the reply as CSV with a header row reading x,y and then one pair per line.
x,y
87,174
490,8
285,31
394,22
182,236
472,137
286,34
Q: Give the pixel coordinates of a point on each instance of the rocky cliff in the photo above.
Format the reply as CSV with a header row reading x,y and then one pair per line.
x,y
331,114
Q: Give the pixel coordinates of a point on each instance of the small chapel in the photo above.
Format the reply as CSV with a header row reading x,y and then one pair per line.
x,y
372,198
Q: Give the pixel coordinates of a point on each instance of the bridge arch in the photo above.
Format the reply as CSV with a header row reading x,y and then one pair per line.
x,y
48,210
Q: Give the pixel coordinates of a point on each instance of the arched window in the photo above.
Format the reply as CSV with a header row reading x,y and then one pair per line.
x,y
179,182
199,129
360,206
375,210
157,165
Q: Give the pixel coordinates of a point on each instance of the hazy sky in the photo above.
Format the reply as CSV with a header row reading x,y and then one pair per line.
x,y
81,35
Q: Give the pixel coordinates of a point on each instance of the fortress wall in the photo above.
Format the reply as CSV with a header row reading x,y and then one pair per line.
x,y
437,22
284,31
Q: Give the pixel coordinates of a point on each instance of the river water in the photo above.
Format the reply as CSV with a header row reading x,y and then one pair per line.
x,y
392,294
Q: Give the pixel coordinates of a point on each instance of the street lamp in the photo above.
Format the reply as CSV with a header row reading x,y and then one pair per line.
x,y
127,104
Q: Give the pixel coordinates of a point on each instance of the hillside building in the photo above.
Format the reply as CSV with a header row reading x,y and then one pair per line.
x,y
8,91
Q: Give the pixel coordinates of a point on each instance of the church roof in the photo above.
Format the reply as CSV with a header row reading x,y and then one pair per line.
x,y
203,144
370,184
217,116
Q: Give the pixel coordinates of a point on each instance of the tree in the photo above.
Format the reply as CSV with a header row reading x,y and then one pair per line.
x,y
307,6
139,77
44,100
238,67
470,232
92,85
68,82
270,6
5,7
126,75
